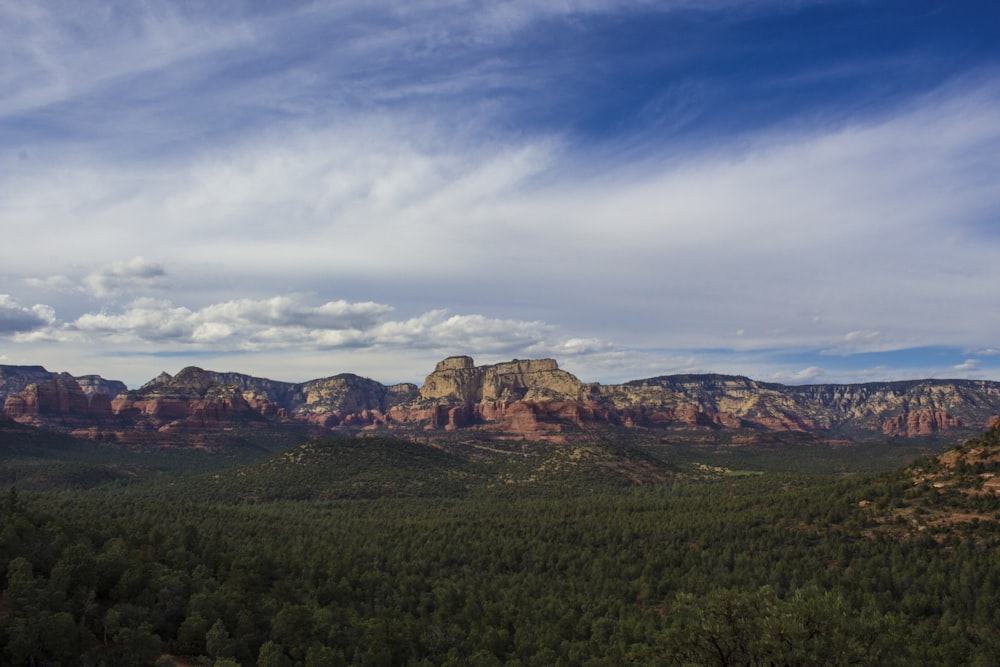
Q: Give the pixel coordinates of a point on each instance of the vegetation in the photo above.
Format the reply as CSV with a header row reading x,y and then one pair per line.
x,y
375,551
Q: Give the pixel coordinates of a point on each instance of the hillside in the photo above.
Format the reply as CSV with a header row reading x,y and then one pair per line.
x,y
381,467
957,491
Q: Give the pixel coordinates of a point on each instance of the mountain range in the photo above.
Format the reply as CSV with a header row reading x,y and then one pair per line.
x,y
520,399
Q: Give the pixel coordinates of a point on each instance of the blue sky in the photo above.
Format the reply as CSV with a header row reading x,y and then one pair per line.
x,y
793,190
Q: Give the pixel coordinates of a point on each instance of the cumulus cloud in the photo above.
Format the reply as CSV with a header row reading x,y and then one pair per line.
x,y
136,274
288,311
285,322
18,319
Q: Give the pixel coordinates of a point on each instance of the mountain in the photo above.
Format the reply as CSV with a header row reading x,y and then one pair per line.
x,y
34,395
521,399
14,379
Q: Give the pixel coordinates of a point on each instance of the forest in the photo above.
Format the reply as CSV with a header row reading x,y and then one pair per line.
x,y
378,551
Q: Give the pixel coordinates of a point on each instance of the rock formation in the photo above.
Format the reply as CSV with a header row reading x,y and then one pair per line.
x,y
519,398
60,399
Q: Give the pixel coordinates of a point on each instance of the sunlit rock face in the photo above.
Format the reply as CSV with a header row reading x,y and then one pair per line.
x,y
458,379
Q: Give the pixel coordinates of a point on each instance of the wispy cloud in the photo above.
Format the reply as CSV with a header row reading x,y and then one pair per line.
x,y
64,52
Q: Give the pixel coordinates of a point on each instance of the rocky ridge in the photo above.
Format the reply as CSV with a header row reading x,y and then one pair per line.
x,y
532,399
33,395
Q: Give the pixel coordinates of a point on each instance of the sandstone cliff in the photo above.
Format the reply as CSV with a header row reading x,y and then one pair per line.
x,y
459,380
194,398
60,399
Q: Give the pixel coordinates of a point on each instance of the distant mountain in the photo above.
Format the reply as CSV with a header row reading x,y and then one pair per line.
x,y
523,399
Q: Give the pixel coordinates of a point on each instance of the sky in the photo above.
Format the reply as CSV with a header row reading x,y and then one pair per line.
x,y
798,191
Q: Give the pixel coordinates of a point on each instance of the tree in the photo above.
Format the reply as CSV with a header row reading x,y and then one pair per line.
x,y
756,628
191,635
218,643
272,655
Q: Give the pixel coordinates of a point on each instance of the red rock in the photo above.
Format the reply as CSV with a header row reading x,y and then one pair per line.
x,y
927,421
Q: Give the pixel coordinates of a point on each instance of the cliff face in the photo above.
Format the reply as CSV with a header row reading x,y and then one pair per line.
x,y
459,380
60,399
520,398
192,399
31,394
911,408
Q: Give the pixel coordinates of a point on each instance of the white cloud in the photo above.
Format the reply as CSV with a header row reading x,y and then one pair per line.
x,y
144,320
287,322
289,311
809,374
136,274
331,178
54,284
55,53
790,245
967,365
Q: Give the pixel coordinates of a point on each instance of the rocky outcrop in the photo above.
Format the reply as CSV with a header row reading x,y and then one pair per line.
x,y
14,379
522,397
32,394
95,385
459,380
60,399
924,422
192,399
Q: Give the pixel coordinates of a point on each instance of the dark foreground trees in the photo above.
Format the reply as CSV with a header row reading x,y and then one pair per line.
x,y
748,571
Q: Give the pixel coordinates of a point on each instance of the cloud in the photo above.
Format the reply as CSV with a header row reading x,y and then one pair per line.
x,y
851,214
54,284
288,311
504,177
16,319
287,322
791,242
808,374
967,365
136,274
60,53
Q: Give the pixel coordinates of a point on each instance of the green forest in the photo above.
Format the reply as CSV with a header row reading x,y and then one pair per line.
x,y
380,551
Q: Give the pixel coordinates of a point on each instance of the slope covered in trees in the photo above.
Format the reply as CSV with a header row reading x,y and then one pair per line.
x,y
394,553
